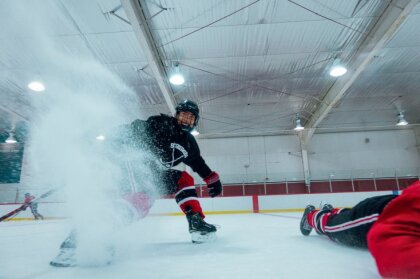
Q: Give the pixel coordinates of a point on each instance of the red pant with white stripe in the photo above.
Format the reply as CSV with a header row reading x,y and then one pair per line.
x,y
186,196
349,226
175,182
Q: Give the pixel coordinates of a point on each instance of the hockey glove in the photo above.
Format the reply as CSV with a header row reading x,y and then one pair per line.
x,y
213,184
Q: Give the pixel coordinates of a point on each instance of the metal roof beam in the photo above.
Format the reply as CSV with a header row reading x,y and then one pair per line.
x,y
386,27
136,16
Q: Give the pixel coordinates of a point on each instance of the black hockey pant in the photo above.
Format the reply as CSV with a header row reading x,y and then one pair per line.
x,y
351,226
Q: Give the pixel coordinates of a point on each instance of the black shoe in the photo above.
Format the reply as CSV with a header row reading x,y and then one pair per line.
x,y
197,224
305,228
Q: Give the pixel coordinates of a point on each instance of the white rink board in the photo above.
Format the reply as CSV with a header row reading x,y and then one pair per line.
x,y
300,201
220,204
169,206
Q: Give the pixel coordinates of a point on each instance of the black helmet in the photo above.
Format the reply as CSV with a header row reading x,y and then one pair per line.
x,y
189,106
27,194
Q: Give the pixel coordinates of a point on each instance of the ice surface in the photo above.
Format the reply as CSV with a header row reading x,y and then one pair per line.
x,y
248,246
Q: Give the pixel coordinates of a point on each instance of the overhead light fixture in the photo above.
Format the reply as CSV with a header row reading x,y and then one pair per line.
x,y
337,69
194,132
401,120
36,86
298,126
176,78
11,138
100,137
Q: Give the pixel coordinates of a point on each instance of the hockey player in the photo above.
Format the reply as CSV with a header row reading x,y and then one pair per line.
x,y
169,140
394,240
346,226
388,225
33,206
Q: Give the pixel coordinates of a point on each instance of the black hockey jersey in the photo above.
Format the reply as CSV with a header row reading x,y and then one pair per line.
x,y
162,135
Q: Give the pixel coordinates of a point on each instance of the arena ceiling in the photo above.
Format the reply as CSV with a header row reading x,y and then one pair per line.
x,y
251,65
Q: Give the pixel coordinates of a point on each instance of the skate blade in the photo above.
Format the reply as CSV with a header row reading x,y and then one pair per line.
x,y
200,237
56,264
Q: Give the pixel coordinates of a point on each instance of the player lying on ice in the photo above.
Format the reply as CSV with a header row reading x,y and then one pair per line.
x,y
169,141
389,226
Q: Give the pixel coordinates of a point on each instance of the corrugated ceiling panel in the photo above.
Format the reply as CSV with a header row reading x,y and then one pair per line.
x,y
116,47
386,84
266,49
259,40
31,17
130,72
92,16
366,103
416,10
149,94
396,60
17,53
73,46
262,67
343,9
409,34
195,14
204,93
301,86
359,119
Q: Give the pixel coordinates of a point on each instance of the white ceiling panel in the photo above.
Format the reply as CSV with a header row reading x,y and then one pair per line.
x,y
93,16
251,67
33,17
409,35
181,14
121,47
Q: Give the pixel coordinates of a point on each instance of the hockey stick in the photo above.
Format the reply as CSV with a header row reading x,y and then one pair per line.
x,y
25,205
14,212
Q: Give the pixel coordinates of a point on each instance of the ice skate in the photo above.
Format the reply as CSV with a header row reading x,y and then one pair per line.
x,y
67,255
327,207
200,230
203,237
70,255
305,228
65,258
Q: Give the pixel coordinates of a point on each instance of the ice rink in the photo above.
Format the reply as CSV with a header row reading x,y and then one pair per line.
x,y
248,246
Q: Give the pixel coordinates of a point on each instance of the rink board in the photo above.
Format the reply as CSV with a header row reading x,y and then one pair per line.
x,y
220,205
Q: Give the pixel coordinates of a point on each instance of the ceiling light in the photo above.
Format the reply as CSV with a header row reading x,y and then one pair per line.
x,y
337,69
100,137
176,78
194,132
401,120
36,86
11,138
298,126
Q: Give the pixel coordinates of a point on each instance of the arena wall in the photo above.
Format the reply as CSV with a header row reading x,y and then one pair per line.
x,y
221,205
